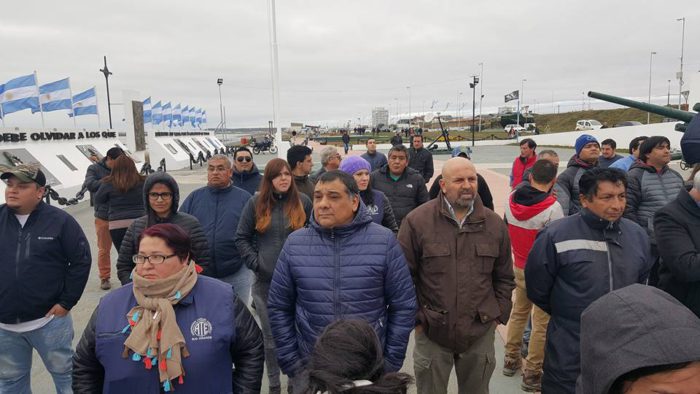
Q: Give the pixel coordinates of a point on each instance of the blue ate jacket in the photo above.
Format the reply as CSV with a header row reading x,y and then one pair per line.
x,y
44,263
218,211
356,271
218,331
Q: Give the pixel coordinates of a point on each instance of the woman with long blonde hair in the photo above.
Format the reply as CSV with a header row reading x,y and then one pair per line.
x,y
268,218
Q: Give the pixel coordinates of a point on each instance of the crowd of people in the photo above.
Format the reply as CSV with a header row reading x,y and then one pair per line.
x,y
323,276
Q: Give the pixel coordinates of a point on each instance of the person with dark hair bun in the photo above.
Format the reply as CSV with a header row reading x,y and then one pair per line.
x,y
170,329
348,358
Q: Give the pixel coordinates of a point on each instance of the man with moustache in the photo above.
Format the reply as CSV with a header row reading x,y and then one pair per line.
x,y
459,256
578,259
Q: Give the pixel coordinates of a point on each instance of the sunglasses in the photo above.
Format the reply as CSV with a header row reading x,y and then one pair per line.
x,y
241,159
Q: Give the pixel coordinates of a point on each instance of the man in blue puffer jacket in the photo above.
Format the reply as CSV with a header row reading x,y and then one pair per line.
x,y
218,208
342,266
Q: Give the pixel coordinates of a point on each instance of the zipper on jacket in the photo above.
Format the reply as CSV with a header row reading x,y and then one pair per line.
x,y
336,281
607,250
19,249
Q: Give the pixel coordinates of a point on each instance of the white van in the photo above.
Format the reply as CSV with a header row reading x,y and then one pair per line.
x,y
588,124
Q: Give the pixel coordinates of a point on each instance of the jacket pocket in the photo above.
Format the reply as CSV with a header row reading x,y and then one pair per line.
x,y
487,254
435,325
435,257
488,310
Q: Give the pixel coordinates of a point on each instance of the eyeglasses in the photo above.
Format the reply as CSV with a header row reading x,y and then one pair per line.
x,y
247,159
165,196
153,259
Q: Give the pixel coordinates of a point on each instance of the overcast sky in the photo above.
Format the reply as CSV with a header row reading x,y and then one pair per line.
x,y
339,59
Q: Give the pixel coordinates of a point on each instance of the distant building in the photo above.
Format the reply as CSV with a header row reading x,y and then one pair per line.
x,y
380,115
296,127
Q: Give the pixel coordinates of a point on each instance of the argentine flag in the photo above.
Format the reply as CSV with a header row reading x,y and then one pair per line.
x,y
185,115
168,114
177,115
18,94
147,110
55,96
204,117
85,103
157,113
198,116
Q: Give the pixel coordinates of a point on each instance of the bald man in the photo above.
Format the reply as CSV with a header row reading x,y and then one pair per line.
x,y
459,256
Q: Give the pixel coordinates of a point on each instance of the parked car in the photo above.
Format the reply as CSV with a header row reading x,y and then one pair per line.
x,y
588,124
628,123
514,127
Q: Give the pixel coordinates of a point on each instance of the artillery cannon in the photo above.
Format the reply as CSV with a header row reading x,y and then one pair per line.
x,y
690,143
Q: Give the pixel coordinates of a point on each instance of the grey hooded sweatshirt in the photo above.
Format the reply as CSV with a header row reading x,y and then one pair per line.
x,y
631,328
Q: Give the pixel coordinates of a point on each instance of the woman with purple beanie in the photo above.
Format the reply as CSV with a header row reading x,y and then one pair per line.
x,y
376,202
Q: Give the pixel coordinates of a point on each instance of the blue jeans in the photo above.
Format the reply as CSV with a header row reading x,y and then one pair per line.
x,y
53,342
241,281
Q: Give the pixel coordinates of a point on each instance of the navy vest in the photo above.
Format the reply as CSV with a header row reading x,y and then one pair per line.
x,y
206,319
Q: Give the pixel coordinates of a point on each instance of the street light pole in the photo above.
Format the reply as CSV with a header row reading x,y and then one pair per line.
x,y
668,99
651,57
481,92
409,106
107,73
680,74
472,85
220,81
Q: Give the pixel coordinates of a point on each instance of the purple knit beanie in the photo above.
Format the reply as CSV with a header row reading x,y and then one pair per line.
x,y
352,164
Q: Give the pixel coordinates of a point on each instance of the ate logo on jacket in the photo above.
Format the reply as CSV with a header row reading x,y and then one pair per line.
x,y
201,329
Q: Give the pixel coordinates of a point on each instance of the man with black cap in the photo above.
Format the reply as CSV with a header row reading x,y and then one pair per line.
x,y
93,180
45,265
639,340
652,185
566,188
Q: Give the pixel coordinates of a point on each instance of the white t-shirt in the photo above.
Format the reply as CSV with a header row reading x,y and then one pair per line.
x,y
27,325
22,219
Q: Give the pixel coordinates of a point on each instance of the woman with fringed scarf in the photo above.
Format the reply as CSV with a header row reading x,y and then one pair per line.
x,y
169,330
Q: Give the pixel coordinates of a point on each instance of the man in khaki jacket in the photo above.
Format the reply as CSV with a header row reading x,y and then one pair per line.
x,y
459,256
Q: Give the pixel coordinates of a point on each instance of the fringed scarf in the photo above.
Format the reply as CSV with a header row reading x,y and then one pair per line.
x,y
156,339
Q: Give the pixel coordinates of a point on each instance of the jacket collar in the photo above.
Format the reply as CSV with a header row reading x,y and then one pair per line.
x,y
473,221
596,222
216,190
688,203
361,219
245,175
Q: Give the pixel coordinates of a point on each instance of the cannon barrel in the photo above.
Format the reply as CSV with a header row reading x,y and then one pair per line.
x,y
672,113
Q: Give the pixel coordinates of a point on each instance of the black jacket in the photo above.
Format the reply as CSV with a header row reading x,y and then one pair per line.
x,y
246,353
260,251
632,328
305,185
93,176
677,228
567,185
189,223
248,181
483,190
573,262
44,263
406,193
127,205
421,160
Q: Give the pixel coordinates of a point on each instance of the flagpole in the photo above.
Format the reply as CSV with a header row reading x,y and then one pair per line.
x,y
70,91
38,97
